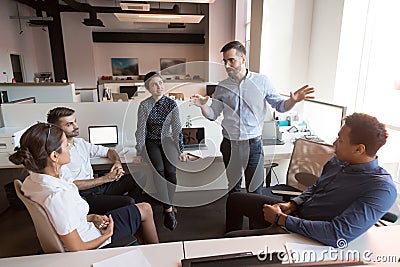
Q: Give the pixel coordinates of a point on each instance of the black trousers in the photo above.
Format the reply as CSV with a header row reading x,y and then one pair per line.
x,y
110,196
163,156
249,205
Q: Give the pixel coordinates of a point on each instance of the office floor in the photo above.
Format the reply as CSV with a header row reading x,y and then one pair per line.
x,y
18,236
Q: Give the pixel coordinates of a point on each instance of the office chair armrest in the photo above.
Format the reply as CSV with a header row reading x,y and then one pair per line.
x,y
122,242
389,217
285,193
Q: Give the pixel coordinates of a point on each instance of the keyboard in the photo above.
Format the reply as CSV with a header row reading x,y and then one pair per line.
x,y
272,142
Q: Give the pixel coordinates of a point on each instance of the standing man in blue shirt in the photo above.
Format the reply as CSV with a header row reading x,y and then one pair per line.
x,y
351,195
243,98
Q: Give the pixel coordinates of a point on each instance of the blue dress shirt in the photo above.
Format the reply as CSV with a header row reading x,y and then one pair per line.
x,y
244,105
359,194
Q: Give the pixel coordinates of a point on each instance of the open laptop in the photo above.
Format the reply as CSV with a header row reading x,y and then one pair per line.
x,y
103,135
194,138
132,91
270,134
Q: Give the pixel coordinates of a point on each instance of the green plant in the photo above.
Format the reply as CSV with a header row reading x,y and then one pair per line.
x,y
188,122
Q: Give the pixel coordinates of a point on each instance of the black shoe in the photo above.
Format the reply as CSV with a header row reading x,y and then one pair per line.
x,y
170,220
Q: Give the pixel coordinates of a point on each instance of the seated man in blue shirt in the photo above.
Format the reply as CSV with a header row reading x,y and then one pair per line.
x,y
351,195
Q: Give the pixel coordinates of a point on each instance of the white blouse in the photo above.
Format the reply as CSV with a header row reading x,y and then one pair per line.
x,y
66,209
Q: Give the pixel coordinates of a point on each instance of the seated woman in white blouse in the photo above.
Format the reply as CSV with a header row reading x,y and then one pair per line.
x,y
44,149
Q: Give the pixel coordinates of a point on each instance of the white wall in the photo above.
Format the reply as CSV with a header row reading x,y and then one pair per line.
x,y
285,42
148,55
350,52
324,47
32,44
220,31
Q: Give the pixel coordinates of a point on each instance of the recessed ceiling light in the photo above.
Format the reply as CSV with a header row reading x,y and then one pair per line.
x,y
182,1
177,18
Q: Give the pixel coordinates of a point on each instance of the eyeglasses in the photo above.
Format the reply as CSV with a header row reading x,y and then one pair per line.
x,y
231,60
47,137
153,84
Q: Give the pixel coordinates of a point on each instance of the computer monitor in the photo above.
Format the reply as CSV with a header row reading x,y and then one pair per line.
x,y
103,135
210,89
130,90
120,97
28,100
324,119
193,137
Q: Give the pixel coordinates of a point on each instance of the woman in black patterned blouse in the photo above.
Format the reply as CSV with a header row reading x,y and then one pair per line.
x,y
159,140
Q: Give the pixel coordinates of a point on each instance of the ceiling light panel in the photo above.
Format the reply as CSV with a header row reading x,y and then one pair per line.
x,y
176,1
134,6
159,18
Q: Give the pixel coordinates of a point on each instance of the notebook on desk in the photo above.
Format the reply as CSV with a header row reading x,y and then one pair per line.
x,y
194,138
103,135
270,134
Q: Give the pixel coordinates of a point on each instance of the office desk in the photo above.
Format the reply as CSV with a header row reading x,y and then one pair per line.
x,y
165,254
378,244
254,244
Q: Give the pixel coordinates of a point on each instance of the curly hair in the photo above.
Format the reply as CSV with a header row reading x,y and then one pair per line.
x,y
366,130
37,143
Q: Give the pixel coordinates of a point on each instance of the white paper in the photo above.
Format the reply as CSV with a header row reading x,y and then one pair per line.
x,y
206,153
131,258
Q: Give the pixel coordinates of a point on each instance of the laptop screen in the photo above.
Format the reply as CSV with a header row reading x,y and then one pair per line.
x,y
130,90
193,136
103,135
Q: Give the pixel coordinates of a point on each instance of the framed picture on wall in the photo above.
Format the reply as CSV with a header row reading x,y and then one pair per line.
x,y
125,66
173,66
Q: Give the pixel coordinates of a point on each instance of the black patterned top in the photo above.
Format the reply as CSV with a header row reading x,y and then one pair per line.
x,y
158,120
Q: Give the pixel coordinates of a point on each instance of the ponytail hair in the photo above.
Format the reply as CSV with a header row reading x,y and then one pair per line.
x,y
36,145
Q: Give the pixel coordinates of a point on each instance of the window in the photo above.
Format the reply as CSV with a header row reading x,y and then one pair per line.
x,y
378,65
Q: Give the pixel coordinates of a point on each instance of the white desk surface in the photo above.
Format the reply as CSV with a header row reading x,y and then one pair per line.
x,y
379,241
165,254
255,244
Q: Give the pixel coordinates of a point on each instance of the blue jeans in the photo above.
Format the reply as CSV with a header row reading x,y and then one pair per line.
x,y
243,155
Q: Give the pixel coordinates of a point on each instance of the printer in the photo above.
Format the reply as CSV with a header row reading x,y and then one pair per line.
x,y
9,138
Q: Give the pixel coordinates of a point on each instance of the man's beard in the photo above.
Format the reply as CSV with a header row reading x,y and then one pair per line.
x,y
232,73
73,134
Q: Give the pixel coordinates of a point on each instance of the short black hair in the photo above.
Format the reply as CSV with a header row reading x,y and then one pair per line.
x,y
234,45
149,76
